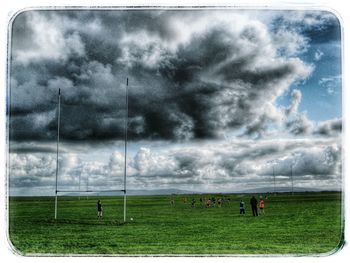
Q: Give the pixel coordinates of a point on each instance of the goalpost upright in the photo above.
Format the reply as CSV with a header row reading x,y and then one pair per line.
x,y
58,140
126,141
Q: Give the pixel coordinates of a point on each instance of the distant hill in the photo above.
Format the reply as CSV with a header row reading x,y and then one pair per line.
x,y
160,192
135,192
181,192
281,189
170,191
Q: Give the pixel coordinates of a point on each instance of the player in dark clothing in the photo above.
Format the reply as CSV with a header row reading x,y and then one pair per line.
x,y
193,202
99,209
254,204
241,208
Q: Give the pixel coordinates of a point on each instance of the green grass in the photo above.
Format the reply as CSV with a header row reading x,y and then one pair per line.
x,y
303,223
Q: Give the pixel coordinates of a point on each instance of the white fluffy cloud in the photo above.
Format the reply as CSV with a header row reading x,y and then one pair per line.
x,y
318,55
330,84
49,40
295,101
224,166
289,42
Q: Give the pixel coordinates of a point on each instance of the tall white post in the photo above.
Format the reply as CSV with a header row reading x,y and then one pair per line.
x,y
274,180
126,142
80,182
58,142
291,172
87,187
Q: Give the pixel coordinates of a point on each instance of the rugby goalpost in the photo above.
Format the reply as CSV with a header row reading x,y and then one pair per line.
x,y
125,154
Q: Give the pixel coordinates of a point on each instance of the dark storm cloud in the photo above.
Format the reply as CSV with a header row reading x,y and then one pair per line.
x,y
329,128
31,149
193,83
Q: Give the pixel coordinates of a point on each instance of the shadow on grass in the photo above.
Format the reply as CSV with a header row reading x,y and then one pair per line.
x,y
83,222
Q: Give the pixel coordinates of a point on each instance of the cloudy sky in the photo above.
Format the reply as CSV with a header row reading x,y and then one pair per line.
x,y
218,99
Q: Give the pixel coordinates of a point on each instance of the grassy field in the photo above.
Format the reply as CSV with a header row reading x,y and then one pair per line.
x,y
303,223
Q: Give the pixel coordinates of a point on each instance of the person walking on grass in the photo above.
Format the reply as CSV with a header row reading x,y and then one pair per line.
x,y
254,205
261,206
241,208
99,209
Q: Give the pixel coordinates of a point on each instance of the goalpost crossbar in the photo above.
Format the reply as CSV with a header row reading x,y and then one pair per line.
x,y
89,191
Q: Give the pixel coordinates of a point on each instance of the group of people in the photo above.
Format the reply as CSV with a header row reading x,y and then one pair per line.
x,y
206,202
211,202
254,205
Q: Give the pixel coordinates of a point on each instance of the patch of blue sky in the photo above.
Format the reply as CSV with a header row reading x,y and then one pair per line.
x,y
322,91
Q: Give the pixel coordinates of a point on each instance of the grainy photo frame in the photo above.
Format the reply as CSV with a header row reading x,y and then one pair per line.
x,y
175,131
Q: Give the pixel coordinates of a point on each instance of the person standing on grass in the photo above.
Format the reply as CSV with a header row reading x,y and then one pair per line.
x,y
261,206
241,208
219,202
193,203
208,203
254,205
99,209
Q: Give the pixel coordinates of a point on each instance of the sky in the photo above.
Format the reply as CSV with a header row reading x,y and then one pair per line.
x,y
219,100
